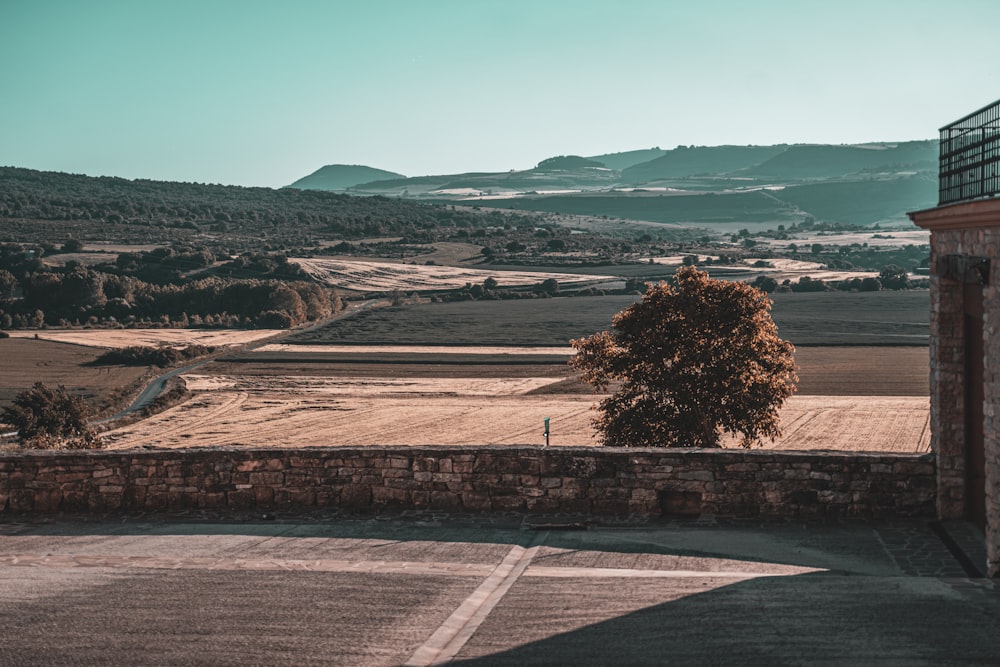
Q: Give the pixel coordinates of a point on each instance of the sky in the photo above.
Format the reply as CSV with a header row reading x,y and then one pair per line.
x,y
256,93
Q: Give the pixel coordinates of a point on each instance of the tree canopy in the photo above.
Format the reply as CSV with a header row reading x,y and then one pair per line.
x,y
692,360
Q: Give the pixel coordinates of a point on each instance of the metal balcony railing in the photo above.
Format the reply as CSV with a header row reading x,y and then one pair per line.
x,y
970,157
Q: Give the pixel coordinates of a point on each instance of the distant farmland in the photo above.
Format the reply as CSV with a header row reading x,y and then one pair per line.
x,y
821,318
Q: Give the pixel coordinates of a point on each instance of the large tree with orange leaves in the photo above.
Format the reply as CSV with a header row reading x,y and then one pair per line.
x,y
694,359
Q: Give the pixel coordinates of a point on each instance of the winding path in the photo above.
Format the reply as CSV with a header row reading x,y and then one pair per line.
x,y
156,386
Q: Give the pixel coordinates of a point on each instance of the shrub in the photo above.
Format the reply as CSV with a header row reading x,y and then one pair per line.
x,y
143,355
47,418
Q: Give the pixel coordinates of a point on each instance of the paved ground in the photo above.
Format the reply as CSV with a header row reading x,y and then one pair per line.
x,y
426,589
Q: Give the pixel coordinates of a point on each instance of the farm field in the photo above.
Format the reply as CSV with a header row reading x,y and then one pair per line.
x,y
364,276
26,361
257,399
818,318
66,357
111,338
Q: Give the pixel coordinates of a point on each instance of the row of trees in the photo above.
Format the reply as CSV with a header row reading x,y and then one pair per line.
x,y
891,277
77,295
124,210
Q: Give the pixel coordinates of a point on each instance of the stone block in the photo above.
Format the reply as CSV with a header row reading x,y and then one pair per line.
x,y
21,500
679,502
267,478
47,500
445,500
239,499
399,462
511,503
263,496
476,501
356,495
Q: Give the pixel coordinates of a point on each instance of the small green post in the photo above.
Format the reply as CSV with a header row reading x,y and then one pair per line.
x,y
546,434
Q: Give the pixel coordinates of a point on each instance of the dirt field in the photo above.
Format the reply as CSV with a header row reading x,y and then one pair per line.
x,y
26,361
259,400
825,371
110,338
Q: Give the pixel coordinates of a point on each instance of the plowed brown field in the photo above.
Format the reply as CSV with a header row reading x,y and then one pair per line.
x,y
261,400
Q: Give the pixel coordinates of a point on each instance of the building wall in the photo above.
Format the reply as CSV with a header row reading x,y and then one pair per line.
x,y
578,480
968,230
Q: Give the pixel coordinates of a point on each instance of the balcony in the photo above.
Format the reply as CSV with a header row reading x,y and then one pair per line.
x,y
970,157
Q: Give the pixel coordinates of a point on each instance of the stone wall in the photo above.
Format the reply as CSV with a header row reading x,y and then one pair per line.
x,y
598,481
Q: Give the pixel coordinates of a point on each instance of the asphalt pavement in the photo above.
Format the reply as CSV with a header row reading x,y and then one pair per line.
x,y
426,589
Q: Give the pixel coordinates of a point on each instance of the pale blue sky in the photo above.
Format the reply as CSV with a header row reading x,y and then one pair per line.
x,y
262,93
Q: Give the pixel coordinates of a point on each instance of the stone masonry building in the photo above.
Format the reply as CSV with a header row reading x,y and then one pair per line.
x,y
965,324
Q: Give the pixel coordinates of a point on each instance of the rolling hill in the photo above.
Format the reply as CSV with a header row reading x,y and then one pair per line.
x,y
699,160
859,184
341,177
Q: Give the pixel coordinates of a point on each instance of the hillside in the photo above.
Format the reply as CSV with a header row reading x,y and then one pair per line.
x,y
622,161
817,161
699,210
342,177
37,206
863,202
696,160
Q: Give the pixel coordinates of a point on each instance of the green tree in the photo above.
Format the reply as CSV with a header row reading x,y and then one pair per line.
x,y
8,283
765,284
869,284
692,360
72,245
47,418
894,277
549,286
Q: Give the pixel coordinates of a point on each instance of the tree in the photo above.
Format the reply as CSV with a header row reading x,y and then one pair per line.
x,y
894,277
46,417
869,284
765,284
549,286
8,283
72,245
693,359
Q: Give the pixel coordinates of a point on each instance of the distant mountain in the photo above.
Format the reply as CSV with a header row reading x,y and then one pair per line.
x,y
703,185
807,161
699,160
342,176
554,174
622,161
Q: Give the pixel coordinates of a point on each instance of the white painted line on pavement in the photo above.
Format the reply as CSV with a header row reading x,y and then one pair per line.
x,y
458,628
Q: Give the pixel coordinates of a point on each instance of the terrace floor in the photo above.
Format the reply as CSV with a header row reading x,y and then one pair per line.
x,y
425,588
